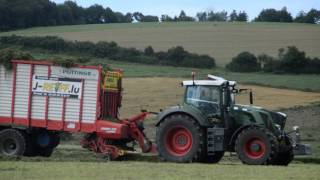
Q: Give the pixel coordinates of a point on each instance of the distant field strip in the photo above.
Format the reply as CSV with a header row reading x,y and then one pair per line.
x,y
220,40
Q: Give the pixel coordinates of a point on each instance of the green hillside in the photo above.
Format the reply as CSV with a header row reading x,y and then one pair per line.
x,y
220,40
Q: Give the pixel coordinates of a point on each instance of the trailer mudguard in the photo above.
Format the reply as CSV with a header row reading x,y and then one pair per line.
x,y
184,110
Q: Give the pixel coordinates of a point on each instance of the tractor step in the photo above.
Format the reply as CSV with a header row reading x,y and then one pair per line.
x,y
215,138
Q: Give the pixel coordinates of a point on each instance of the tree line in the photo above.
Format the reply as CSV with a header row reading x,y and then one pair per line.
x,y
290,60
19,14
175,56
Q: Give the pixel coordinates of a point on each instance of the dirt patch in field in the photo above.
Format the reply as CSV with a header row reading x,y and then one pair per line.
x,y
154,94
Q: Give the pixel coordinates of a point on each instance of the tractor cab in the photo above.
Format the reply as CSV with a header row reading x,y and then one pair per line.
x,y
209,96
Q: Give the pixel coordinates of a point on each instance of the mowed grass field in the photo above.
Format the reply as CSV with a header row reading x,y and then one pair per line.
x,y
150,170
220,40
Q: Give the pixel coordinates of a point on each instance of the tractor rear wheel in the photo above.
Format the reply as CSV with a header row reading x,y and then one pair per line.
x,y
257,146
12,142
179,139
285,155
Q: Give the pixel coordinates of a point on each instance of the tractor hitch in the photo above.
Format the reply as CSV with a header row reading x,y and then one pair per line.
x,y
133,127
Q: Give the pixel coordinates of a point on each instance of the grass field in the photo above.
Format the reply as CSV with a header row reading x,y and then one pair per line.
x,y
220,40
138,171
72,162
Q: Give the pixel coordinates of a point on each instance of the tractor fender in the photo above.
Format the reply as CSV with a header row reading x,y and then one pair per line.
x,y
182,110
235,134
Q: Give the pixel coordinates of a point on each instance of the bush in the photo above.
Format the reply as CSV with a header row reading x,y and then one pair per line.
x,y
244,62
267,63
313,66
148,51
290,60
293,60
6,55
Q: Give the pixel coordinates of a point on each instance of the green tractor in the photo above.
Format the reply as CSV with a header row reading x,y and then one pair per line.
x,y
209,123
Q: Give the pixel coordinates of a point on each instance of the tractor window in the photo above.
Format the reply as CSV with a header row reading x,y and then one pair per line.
x,y
205,98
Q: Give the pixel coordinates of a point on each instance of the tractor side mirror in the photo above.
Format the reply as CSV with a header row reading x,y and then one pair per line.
x,y
250,94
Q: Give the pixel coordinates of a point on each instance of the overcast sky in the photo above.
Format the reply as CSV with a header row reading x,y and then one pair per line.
x,y
191,7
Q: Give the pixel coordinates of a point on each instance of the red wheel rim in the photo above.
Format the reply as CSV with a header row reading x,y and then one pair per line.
x,y
255,148
178,141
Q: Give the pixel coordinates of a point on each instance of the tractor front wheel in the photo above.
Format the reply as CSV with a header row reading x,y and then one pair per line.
x,y
179,139
285,155
257,146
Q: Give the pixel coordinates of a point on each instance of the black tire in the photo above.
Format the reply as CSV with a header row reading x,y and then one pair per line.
x,y
179,139
213,158
257,146
34,149
12,142
30,146
285,155
45,152
54,140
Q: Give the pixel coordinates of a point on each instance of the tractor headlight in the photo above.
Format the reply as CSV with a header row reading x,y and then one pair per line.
x,y
278,126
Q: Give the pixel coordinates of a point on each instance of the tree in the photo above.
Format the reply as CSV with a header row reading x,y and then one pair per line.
x,y
244,62
148,51
312,17
110,17
293,60
217,16
284,15
16,14
243,16
95,14
176,55
202,16
166,18
272,15
233,16
183,17
149,18
267,62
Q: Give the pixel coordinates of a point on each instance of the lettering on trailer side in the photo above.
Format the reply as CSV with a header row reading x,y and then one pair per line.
x,y
56,87
78,73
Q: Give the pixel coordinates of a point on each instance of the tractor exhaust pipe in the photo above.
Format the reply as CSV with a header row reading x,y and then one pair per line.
x,y
251,97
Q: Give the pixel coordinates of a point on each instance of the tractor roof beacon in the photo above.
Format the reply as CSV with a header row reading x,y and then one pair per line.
x,y
209,122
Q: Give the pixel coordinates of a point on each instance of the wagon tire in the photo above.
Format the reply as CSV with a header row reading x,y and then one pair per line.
x,y
45,152
12,142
